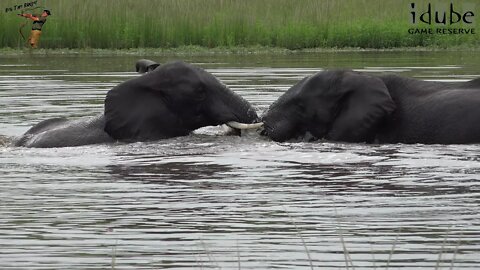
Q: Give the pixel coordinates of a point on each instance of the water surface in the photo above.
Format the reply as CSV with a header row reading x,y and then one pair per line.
x,y
209,201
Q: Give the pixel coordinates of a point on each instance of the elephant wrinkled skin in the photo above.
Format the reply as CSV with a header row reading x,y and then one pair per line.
x,y
348,106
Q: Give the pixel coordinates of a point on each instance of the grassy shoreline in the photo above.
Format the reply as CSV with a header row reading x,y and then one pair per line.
x,y
299,24
240,50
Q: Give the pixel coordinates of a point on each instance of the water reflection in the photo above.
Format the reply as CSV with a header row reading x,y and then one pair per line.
x,y
210,201
169,172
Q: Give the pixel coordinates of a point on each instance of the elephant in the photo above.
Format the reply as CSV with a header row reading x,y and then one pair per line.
x,y
145,65
169,101
349,106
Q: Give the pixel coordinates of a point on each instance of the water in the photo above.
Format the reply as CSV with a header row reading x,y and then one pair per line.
x,y
209,201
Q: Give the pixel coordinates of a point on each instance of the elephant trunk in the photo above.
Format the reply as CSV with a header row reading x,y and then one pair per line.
x,y
235,111
277,127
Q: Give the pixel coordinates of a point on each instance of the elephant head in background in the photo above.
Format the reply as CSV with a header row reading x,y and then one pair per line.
x,y
145,65
348,106
336,105
172,100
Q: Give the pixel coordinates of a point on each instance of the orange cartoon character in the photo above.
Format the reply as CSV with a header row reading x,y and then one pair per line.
x,y
38,22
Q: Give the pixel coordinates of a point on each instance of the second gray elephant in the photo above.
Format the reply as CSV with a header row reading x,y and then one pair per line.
x,y
348,106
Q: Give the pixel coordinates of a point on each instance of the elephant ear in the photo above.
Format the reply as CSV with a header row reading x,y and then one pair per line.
x,y
364,104
134,111
145,65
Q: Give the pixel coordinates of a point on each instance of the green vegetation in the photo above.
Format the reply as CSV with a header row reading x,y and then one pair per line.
x,y
290,24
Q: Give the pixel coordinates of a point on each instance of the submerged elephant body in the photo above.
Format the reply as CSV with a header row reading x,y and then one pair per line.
x,y
432,112
170,100
61,132
348,106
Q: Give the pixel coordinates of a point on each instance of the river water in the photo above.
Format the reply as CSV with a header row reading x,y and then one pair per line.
x,y
207,201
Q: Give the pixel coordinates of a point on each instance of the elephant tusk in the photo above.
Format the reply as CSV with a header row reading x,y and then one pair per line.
x,y
237,125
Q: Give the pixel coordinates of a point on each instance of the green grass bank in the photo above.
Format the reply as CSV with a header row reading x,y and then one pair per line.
x,y
289,24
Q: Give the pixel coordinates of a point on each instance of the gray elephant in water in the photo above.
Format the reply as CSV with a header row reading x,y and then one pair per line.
x,y
348,106
171,100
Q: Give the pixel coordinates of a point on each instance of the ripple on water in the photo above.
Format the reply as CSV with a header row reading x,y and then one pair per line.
x,y
214,201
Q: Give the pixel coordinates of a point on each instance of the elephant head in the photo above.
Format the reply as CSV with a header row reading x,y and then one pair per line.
x,y
172,100
336,105
145,65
